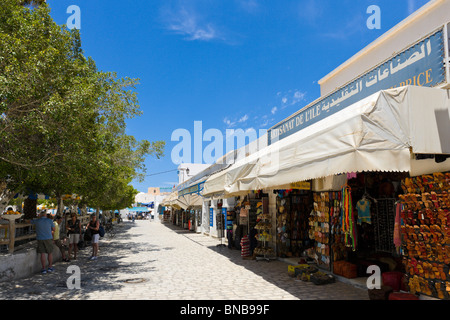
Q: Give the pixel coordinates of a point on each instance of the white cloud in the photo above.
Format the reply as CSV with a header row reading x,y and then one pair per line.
x,y
291,97
298,96
229,123
345,31
311,11
274,110
411,6
250,6
265,123
188,23
243,119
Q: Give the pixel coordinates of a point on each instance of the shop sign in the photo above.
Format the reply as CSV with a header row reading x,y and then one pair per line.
x,y
224,212
193,189
211,217
301,185
420,65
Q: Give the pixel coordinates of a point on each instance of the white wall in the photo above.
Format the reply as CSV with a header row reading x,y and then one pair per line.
x,y
194,168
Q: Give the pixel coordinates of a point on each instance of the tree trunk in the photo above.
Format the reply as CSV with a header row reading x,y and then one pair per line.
x,y
84,210
60,209
30,208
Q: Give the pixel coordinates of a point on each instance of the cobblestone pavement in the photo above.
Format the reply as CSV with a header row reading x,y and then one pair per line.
x,y
149,260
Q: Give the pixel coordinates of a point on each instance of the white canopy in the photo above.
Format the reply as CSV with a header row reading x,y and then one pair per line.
x,y
168,200
183,202
378,133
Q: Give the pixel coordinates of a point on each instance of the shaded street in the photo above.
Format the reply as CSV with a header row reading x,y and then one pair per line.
x,y
148,260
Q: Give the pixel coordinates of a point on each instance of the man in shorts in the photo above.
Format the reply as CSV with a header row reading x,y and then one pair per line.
x,y
44,236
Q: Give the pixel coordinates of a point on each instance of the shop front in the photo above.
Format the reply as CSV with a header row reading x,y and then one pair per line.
x,y
249,226
293,208
367,150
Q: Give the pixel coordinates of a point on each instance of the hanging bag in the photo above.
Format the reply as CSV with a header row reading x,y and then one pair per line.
x,y
101,231
87,235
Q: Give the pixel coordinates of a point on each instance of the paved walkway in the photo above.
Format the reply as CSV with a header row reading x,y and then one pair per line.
x,y
148,260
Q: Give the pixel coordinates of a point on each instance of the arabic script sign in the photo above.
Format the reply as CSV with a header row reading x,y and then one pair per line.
x,y
193,189
420,65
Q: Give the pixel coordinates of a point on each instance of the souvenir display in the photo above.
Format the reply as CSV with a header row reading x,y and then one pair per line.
x,y
293,209
348,218
264,229
338,238
310,273
245,247
425,234
319,231
299,222
283,242
383,222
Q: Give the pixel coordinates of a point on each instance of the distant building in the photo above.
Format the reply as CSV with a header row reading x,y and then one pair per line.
x,y
188,170
154,191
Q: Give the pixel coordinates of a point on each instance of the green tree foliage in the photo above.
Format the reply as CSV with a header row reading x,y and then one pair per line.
x,y
31,2
62,121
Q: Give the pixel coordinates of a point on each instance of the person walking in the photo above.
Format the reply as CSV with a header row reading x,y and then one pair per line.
x,y
94,226
44,236
57,237
73,227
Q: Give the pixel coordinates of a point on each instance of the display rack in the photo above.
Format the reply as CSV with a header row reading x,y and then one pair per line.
x,y
319,231
220,226
263,251
384,224
425,234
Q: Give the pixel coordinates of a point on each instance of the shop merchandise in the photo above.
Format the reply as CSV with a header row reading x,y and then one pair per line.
x,y
338,248
382,293
397,226
310,273
320,278
425,233
264,229
293,208
245,247
345,269
348,219
327,228
319,231
282,227
231,216
384,224
363,207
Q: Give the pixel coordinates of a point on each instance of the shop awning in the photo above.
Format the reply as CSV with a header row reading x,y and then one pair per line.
x,y
171,197
188,201
138,209
184,202
378,133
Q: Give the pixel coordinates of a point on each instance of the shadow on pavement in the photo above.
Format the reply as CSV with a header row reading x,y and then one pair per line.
x,y
109,272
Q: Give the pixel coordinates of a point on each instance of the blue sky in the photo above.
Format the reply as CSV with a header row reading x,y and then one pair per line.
x,y
232,64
